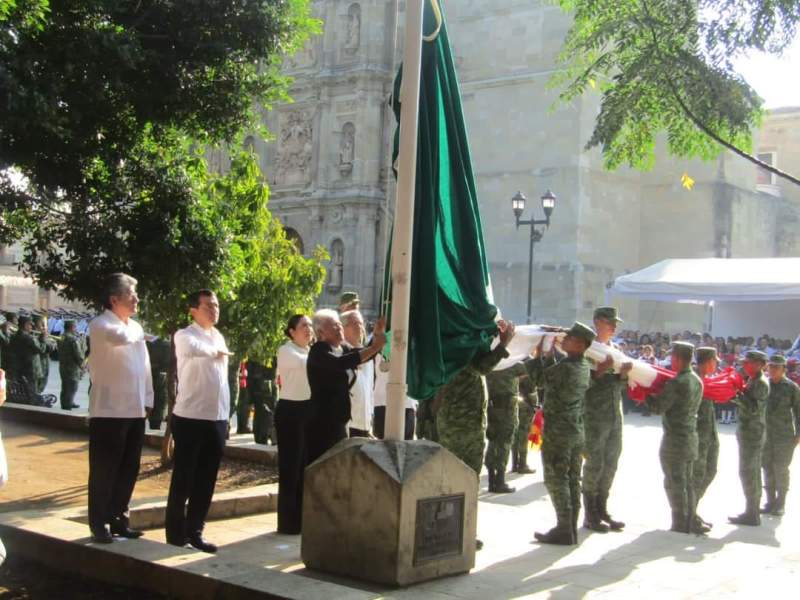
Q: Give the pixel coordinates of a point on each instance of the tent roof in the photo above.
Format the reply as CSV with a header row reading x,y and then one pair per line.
x,y
721,279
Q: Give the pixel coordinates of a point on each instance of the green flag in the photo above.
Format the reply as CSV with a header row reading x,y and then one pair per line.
x,y
452,315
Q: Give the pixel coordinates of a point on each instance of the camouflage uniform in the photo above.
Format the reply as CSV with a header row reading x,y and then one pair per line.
x,y
426,421
160,351
752,406
502,421
71,354
25,351
526,410
262,392
5,341
461,417
783,430
678,404
704,468
42,371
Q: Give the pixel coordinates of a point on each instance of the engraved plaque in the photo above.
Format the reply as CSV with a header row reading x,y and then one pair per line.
x,y
439,528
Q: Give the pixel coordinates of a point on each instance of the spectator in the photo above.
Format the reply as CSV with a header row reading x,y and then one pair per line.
x,y
292,419
362,389
199,422
121,395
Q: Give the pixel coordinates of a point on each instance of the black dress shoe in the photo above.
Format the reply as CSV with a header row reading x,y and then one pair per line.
x,y
75,405
126,532
102,536
202,545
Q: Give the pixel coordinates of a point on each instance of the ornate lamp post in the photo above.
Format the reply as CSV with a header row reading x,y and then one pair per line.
x,y
518,206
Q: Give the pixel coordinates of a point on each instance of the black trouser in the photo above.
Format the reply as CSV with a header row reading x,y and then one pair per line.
x,y
198,451
379,422
115,450
69,387
353,432
323,434
291,422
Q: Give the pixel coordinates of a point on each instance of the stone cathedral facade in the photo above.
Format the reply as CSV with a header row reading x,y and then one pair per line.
x,y
329,167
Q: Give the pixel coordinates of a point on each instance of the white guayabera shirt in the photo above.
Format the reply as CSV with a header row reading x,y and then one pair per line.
x,y
203,391
119,365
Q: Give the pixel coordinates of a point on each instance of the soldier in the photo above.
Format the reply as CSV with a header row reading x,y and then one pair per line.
x,y
426,420
526,410
25,351
678,404
349,301
71,355
42,372
603,424
752,407
502,421
160,351
261,391
783,434
565,384
704,469
5,341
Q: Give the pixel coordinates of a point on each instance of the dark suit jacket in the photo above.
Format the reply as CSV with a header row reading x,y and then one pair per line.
x,y
330,378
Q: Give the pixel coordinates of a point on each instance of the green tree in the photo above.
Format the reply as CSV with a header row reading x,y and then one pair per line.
x,y
666,66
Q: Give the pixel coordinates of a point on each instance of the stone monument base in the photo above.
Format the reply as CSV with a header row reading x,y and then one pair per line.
x,y
389,512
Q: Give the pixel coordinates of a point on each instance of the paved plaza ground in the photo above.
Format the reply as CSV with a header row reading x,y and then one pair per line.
x,y
646,561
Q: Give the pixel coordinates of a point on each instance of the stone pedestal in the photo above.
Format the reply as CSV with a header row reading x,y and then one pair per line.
x,y
394,513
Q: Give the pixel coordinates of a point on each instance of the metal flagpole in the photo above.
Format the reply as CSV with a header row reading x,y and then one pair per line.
x,y
402,238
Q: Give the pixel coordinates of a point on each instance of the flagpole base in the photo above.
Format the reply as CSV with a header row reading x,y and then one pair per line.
x,y
389,512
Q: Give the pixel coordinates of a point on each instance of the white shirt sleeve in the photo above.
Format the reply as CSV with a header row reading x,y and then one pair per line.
x,y
190,346
117,334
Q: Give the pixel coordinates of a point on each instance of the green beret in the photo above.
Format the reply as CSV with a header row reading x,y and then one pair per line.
x,y
756,355
583,332
706,353
683,349
778,359
607,313
348,297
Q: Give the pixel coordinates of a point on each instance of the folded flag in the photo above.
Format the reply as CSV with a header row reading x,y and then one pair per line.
x,y
720,388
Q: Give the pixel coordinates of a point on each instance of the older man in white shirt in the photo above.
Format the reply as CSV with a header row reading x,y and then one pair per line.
x,y
362,388
199,422
121,395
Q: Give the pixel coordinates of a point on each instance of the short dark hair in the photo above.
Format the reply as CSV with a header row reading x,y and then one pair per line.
x,y
194,298
115,284
292,324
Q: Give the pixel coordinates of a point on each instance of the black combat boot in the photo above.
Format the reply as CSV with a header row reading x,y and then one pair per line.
x,y
492,480
699,526
750,516
779,504
770,503
514,461
602,512
591,520
523,467
500,486
680,523
561,534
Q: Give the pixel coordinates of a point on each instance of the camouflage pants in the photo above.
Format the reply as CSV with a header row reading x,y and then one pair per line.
x,y
160,400
750,452
603,448
776,459
704,469
678,483
461,425
502,422
525,414
561,459
426,422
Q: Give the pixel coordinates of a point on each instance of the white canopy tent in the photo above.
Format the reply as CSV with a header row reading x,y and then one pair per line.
x,y
750,296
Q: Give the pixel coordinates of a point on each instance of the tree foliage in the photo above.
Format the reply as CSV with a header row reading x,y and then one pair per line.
x,y
667,66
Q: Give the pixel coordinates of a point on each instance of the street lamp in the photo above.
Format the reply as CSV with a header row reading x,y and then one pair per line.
x,y
518,206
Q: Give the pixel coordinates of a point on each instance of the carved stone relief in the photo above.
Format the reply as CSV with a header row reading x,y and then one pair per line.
x,y
353,33
304,58
347,146
336,271
295,145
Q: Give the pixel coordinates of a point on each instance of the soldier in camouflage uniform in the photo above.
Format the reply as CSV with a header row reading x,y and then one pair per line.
x,y
704,469
752,408
262,392
160,351
426,420
461,414
783,434
5,341
71,355
25,351
565,383
678,404
502,421
42,371
526,410
603,423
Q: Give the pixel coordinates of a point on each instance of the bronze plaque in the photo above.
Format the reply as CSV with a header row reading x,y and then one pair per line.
x,y
439,528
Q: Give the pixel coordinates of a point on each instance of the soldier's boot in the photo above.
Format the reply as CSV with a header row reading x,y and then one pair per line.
x,y
769,505
500,485
779,505
591,520
602,511
680,522
514,461
750,516
561,534
699,526
491,486
523,467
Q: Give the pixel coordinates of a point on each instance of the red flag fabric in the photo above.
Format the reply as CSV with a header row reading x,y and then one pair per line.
x,y
719,388
537,427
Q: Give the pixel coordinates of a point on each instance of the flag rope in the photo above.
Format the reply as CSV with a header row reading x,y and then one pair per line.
x,y
437,12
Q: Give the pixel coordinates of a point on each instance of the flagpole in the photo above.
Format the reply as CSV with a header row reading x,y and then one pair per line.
x,y
402,238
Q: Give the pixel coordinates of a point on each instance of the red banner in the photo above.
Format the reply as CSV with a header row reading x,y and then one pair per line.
x,y
721,387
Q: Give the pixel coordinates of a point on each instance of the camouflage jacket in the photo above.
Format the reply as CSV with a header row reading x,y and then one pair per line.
x,y
752,404
25,351
678,404
504,385
565,382
783,410
70,357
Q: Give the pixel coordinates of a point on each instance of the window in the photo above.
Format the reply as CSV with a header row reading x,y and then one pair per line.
x,y
764,177
294,237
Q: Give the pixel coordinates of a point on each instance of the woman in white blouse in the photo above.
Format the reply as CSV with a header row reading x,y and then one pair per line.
x,y
292,416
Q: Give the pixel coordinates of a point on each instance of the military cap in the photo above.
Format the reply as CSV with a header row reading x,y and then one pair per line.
x,y
10,315
683,349
583,332
778,359
756,355
22,319
37,318
348,298
706,353
69,323
607,313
